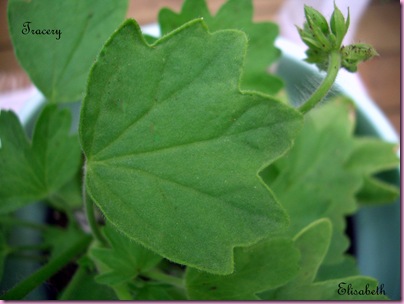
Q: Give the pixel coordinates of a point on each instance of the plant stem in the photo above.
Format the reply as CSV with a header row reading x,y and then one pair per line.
x,y
88,204
122,292
26,286
334,64
165,278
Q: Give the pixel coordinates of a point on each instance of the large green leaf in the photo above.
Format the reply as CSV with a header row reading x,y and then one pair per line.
x,y
59,64
313,242
236,14
173,147
268,264
31,172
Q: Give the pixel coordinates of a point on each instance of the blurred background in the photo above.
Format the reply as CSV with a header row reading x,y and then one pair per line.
x,y
379,25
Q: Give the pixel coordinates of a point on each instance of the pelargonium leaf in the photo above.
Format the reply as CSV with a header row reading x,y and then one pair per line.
x,y
326,170
236,14
124,260
268,264
82,286
173,146
31,172
313,242
58,64
311,181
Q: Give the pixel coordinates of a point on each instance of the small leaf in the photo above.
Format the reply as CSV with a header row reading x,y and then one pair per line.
x,y
82,287
59,239
375,191
236,14
313,243
32,172
265,265
124,260
173,147
58,62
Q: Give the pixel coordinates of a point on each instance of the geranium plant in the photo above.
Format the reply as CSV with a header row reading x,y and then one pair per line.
x,y
197,181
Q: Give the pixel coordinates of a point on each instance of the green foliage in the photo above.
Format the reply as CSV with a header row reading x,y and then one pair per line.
x,y
268,264
183,142
236,14
326,170
83,286
205,188
313,242
32,172
58,64
124,260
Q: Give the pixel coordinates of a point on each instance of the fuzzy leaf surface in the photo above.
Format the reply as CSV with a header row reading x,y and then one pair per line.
x,y
235,14
313,242
31,172
267,264
59,67
173,146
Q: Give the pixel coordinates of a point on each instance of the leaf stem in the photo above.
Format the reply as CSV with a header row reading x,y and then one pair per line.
x,y
165,278
26,286
334,65
89,208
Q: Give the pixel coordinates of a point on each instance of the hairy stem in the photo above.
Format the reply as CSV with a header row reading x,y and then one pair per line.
x,y
334,64
26,286
88,204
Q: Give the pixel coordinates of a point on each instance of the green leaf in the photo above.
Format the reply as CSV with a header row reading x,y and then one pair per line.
x,y
60,239
236,14
58,64
173,147
371,156
159,292
375,191
265,265
312,181
328,170
83,286
31,172
346,268
124,260
313,242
